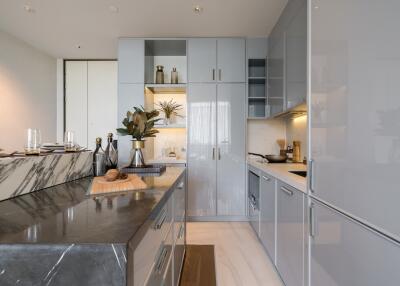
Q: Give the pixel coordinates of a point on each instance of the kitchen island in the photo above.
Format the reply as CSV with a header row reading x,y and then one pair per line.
x,y
63,236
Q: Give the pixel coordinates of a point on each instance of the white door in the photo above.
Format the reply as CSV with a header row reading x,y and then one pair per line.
x,y
202,150
76,102
202,60
102,100
231,156
231,55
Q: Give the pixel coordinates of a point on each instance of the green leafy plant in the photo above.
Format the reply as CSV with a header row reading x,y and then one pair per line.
x,y
139,124
169,108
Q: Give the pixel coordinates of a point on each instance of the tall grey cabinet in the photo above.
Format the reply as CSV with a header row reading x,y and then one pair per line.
x,y
216,127
355,159
130,86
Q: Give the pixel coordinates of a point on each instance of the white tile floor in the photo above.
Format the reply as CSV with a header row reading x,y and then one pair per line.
x,y
240,257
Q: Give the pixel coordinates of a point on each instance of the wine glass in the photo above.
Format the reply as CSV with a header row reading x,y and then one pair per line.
x,y
33,142
69,141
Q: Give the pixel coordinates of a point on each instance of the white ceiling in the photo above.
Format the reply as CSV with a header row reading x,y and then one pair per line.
x,y
59,26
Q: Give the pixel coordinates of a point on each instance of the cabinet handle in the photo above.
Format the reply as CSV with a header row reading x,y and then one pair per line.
x,y
181,232
160,220
311,175
213,154
219,153
161,260
266,178
180,186
213,74
220,74
312,220
287,191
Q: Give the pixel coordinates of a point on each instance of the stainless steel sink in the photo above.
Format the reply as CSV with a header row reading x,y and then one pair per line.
x,y
299,173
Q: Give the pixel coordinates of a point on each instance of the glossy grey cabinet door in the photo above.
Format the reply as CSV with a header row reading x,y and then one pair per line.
x,y
202,153
202,60
345,253
231,146
355,107
129,95
231,60
276,96
130,60
296,58
267,210
290,235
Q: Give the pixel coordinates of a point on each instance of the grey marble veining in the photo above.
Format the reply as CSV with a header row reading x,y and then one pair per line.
x,y
21,175
63,236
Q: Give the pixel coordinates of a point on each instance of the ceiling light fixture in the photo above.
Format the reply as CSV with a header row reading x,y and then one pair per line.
x,y
28,8
197,9
113,9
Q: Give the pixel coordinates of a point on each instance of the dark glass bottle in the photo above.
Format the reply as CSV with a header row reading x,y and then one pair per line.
x,y
98,159
111,159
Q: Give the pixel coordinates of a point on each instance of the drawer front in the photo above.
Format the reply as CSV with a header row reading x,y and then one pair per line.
x,y
290,232
179,252
162,263
148,248
267,213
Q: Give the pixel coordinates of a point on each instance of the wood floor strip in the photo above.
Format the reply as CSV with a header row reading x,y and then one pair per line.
x,y
199,266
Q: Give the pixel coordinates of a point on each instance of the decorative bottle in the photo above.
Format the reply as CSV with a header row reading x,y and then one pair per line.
x,y
111,154
174,76
98,159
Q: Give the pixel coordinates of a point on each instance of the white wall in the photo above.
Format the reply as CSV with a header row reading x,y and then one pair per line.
x,y
27,93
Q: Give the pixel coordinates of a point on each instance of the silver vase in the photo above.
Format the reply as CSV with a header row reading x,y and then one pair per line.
x,y
137,159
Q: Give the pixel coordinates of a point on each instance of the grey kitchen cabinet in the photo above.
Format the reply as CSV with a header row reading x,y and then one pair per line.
x,y
216,152
231,60
179,252
287,59
268,213
296,58
129,95
355,161
231,146
202,169
216,60
131,60
290,235
347,253
202,60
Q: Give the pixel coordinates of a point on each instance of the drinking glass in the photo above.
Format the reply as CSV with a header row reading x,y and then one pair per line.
x,y
33,142
69,141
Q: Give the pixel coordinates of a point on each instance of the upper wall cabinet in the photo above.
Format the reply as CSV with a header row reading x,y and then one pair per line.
x,y
216,60
296,59
231,60
202,60
131,60
287,59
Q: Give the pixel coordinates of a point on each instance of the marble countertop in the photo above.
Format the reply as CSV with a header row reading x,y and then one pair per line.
x,y
65,214
281,172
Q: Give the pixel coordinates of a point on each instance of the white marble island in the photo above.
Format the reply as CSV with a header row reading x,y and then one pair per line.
x,y
22,175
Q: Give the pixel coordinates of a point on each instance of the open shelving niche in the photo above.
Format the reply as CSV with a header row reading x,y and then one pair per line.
x,y
257,93
172,137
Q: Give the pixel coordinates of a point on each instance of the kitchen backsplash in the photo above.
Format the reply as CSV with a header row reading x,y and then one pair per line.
x,y
262,135
296,129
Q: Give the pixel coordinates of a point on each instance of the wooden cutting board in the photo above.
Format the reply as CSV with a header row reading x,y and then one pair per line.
x,y
132,183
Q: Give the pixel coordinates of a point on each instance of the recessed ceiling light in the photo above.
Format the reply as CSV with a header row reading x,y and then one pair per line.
x,y
113,9
316,7
197,9
78,46
28,8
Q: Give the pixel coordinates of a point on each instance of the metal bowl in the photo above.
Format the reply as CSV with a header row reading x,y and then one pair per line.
x,y
276,158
